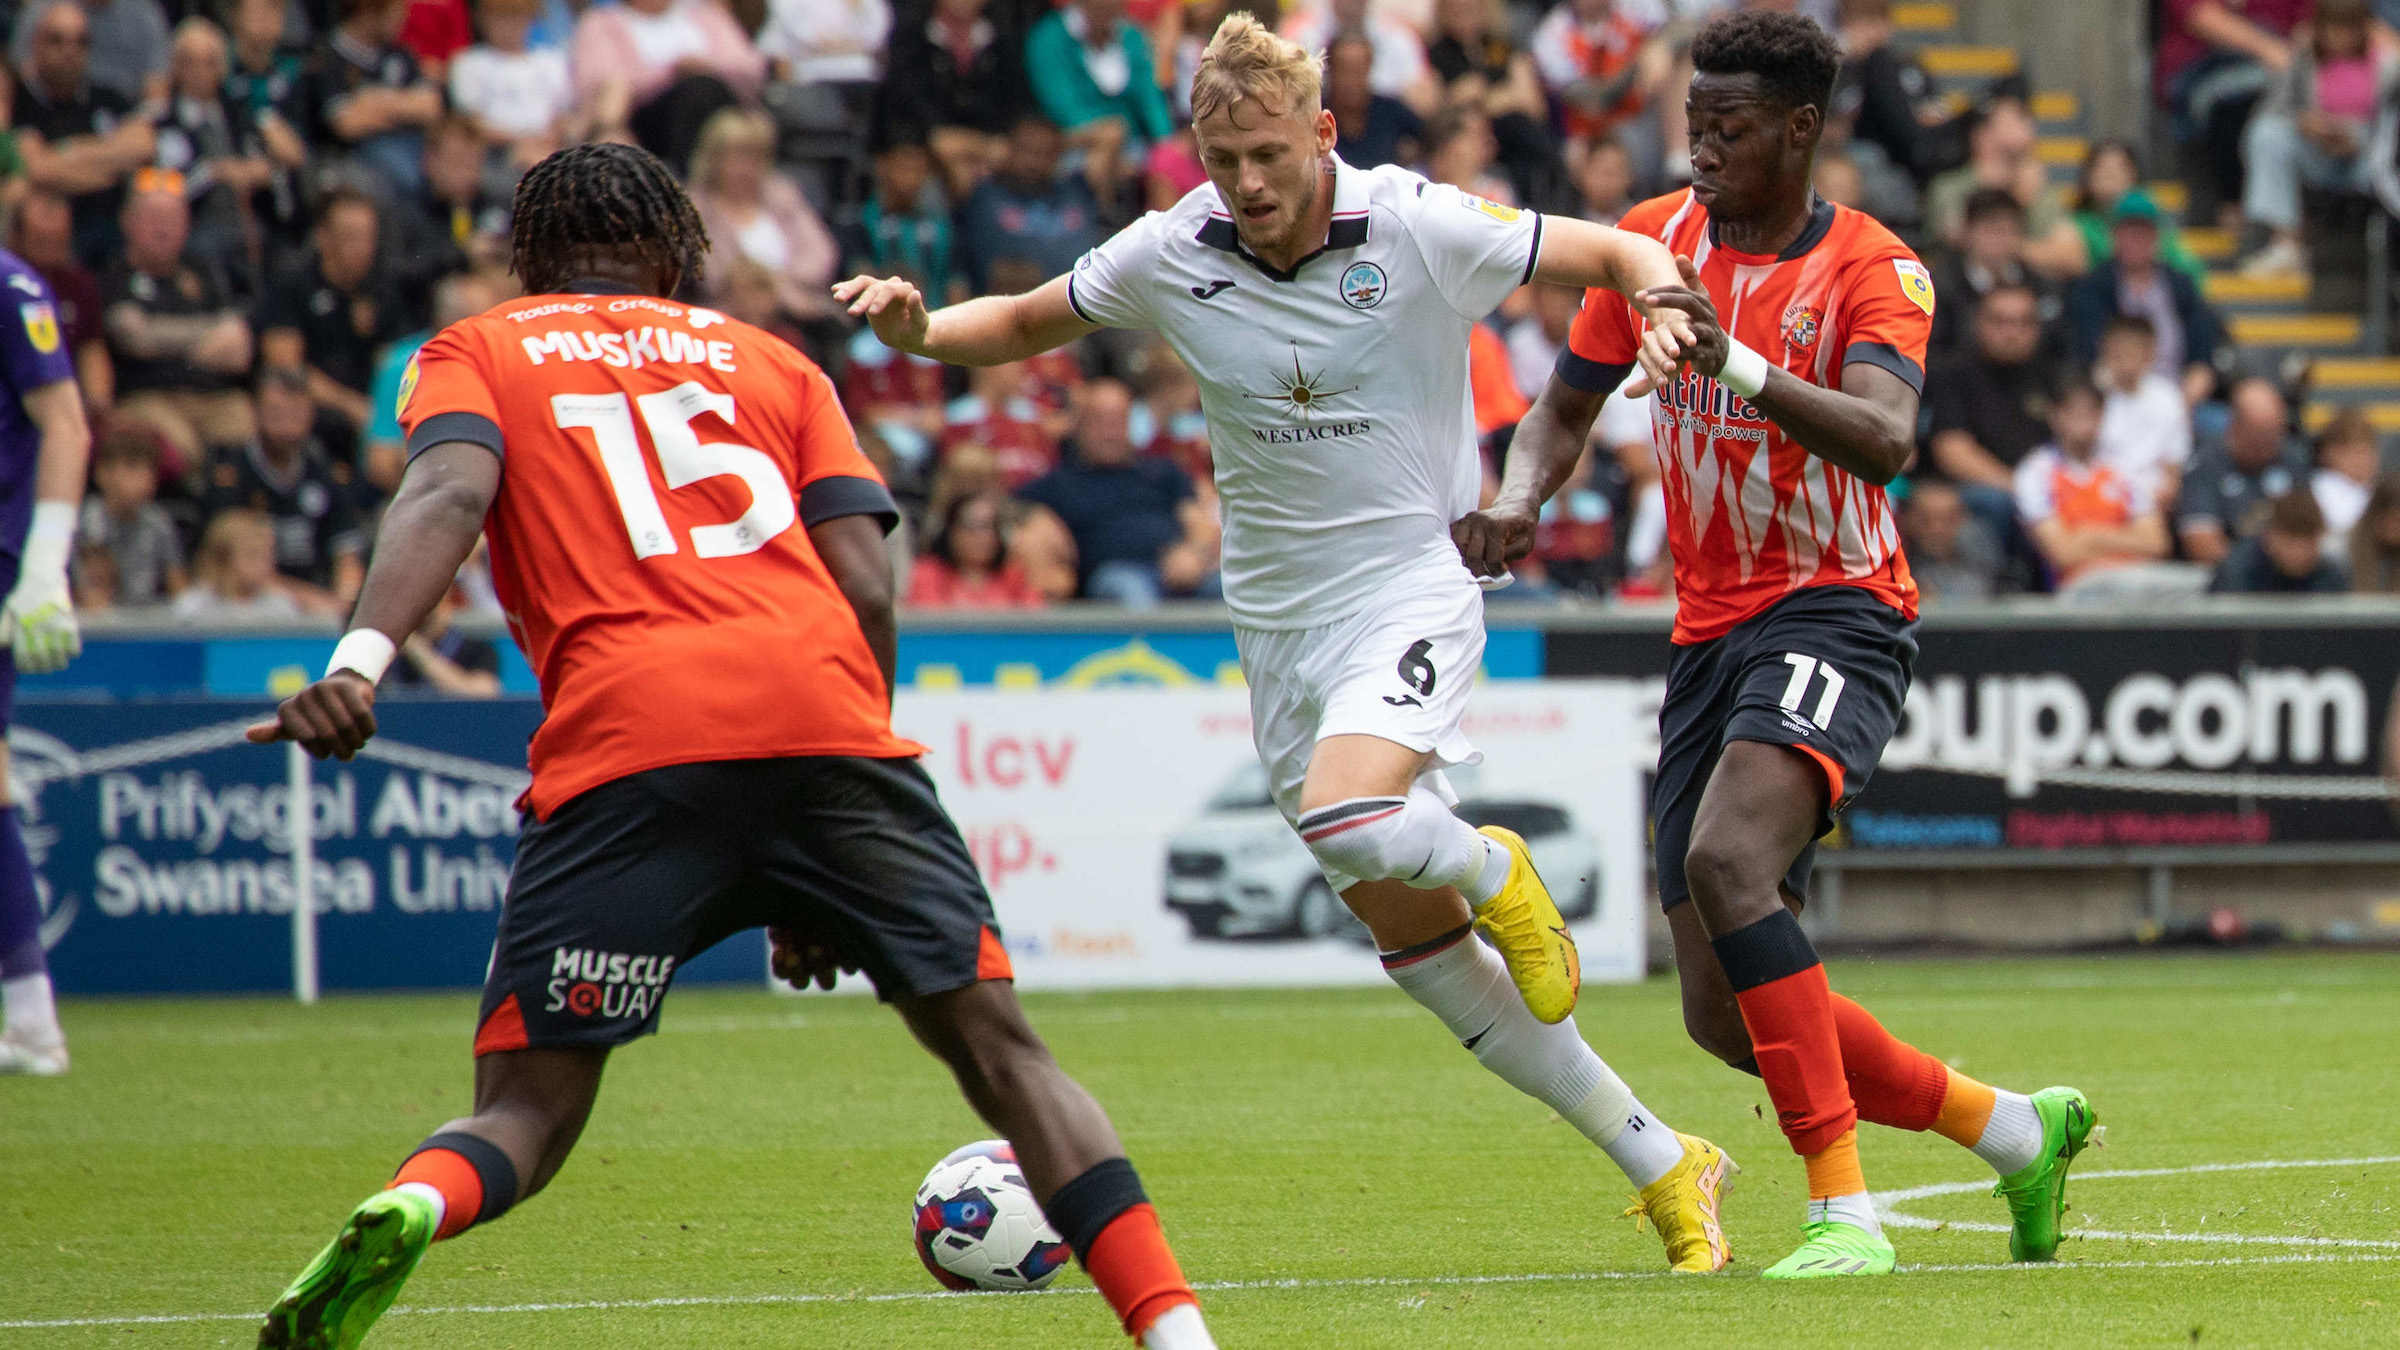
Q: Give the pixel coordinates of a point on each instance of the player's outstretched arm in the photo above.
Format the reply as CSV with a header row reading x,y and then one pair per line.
x,y
990,331
1580,254
1541,457
427,533
1867,427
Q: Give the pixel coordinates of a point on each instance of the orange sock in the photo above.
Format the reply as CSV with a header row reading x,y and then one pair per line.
x,y
1136,1270
1893,1083
1788,1010
1966,1109
1834,1170
455,1178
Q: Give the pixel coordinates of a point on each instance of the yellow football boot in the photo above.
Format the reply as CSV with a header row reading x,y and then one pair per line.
x,y
1682,1206
1523,923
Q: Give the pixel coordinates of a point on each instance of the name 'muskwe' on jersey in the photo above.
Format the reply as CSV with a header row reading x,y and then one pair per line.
x,y
661,466
1751,515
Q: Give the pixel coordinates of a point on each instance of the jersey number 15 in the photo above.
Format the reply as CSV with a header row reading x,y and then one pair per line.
x,y
685,461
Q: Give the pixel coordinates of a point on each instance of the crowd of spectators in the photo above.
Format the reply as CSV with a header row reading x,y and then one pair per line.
x,y
253,212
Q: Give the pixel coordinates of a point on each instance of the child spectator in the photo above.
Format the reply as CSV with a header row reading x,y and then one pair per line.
x,y
233,577
2082,515
2313,127
1953,555
2349,454
1599,65
2375,541
2146,429
124,525
519,96
966,563
902,227
2285,558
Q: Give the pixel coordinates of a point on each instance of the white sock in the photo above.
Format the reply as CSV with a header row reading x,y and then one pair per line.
x,y
1414,840
441,1203
1179,1328
2013,1137
1466,984
1634,1140
30,1010
1854,1209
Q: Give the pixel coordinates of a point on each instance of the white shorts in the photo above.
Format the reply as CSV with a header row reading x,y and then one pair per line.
x,y
1400,669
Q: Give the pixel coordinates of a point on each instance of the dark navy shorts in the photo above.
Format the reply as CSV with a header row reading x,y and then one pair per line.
x,y
626,882
1824,670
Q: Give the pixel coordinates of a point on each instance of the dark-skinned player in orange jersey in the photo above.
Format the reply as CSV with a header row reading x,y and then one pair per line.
x,y
1795,628
690,549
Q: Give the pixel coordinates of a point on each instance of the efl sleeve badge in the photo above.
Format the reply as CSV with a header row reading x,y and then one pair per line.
x,y
1915,282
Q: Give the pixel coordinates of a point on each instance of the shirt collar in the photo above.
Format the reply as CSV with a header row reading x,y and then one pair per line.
x,y
596,286
1347,229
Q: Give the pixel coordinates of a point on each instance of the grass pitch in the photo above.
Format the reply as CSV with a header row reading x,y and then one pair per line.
x,y
1337,1169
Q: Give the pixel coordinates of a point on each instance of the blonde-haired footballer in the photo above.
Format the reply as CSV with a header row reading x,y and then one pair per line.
x,y
1325,312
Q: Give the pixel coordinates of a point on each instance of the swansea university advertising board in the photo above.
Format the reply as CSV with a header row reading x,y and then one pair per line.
x,y
1124,832
2094,734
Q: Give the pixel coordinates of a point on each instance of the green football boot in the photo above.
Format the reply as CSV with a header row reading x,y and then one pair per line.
x,y
2037,1192
355,1278
1835,1249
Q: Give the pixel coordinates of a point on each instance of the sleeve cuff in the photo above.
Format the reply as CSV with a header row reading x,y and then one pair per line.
x,y
1533,252
473,428
1076,304
828,498
1592,377
1890,358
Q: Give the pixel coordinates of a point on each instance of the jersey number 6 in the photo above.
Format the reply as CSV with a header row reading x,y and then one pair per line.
x,y
685,461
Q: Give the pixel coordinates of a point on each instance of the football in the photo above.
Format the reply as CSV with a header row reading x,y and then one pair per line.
x,y
977,1224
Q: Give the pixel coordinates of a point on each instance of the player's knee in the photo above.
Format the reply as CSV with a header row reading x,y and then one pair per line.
x,y
1721,867
1363,837
1718,1030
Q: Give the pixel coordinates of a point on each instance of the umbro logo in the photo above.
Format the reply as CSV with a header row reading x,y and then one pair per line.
x,y
1212,290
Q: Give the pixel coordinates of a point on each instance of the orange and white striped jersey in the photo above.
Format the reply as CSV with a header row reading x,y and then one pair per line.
x,y
1751,515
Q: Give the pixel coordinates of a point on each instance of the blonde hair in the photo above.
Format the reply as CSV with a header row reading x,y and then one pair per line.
x,y
1245,60
731,129
227,532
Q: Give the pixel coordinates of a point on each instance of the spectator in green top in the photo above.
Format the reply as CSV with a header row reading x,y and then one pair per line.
x,y
382,455
1093,73
2110,174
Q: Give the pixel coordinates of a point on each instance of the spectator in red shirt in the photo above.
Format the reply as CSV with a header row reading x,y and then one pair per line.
x,y
966,564
999,411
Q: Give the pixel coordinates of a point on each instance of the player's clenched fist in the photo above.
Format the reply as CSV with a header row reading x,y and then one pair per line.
x,y
335,716
1489,540
798,958
895,307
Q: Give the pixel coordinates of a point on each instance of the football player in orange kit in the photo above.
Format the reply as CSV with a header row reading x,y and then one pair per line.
x,y
690,549
1795,628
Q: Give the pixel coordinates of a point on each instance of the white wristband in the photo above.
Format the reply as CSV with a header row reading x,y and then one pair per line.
x,y
1745,371
51,538
365,651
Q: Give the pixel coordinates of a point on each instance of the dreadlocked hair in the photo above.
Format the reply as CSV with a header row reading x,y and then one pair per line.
x,y
589,201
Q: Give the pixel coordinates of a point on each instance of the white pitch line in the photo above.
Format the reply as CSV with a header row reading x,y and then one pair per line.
x,y
1884,1200
1205,1286
1887,1206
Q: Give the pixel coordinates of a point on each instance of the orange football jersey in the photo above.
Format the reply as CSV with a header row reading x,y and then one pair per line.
x,y
1751,516
660,467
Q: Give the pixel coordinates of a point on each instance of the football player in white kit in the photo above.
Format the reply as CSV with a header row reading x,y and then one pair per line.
x,y
1325,311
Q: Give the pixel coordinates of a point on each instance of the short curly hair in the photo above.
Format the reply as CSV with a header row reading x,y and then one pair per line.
x,y
1794,59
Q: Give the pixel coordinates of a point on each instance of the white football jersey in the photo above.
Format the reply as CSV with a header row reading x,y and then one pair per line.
x,y
1336,393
